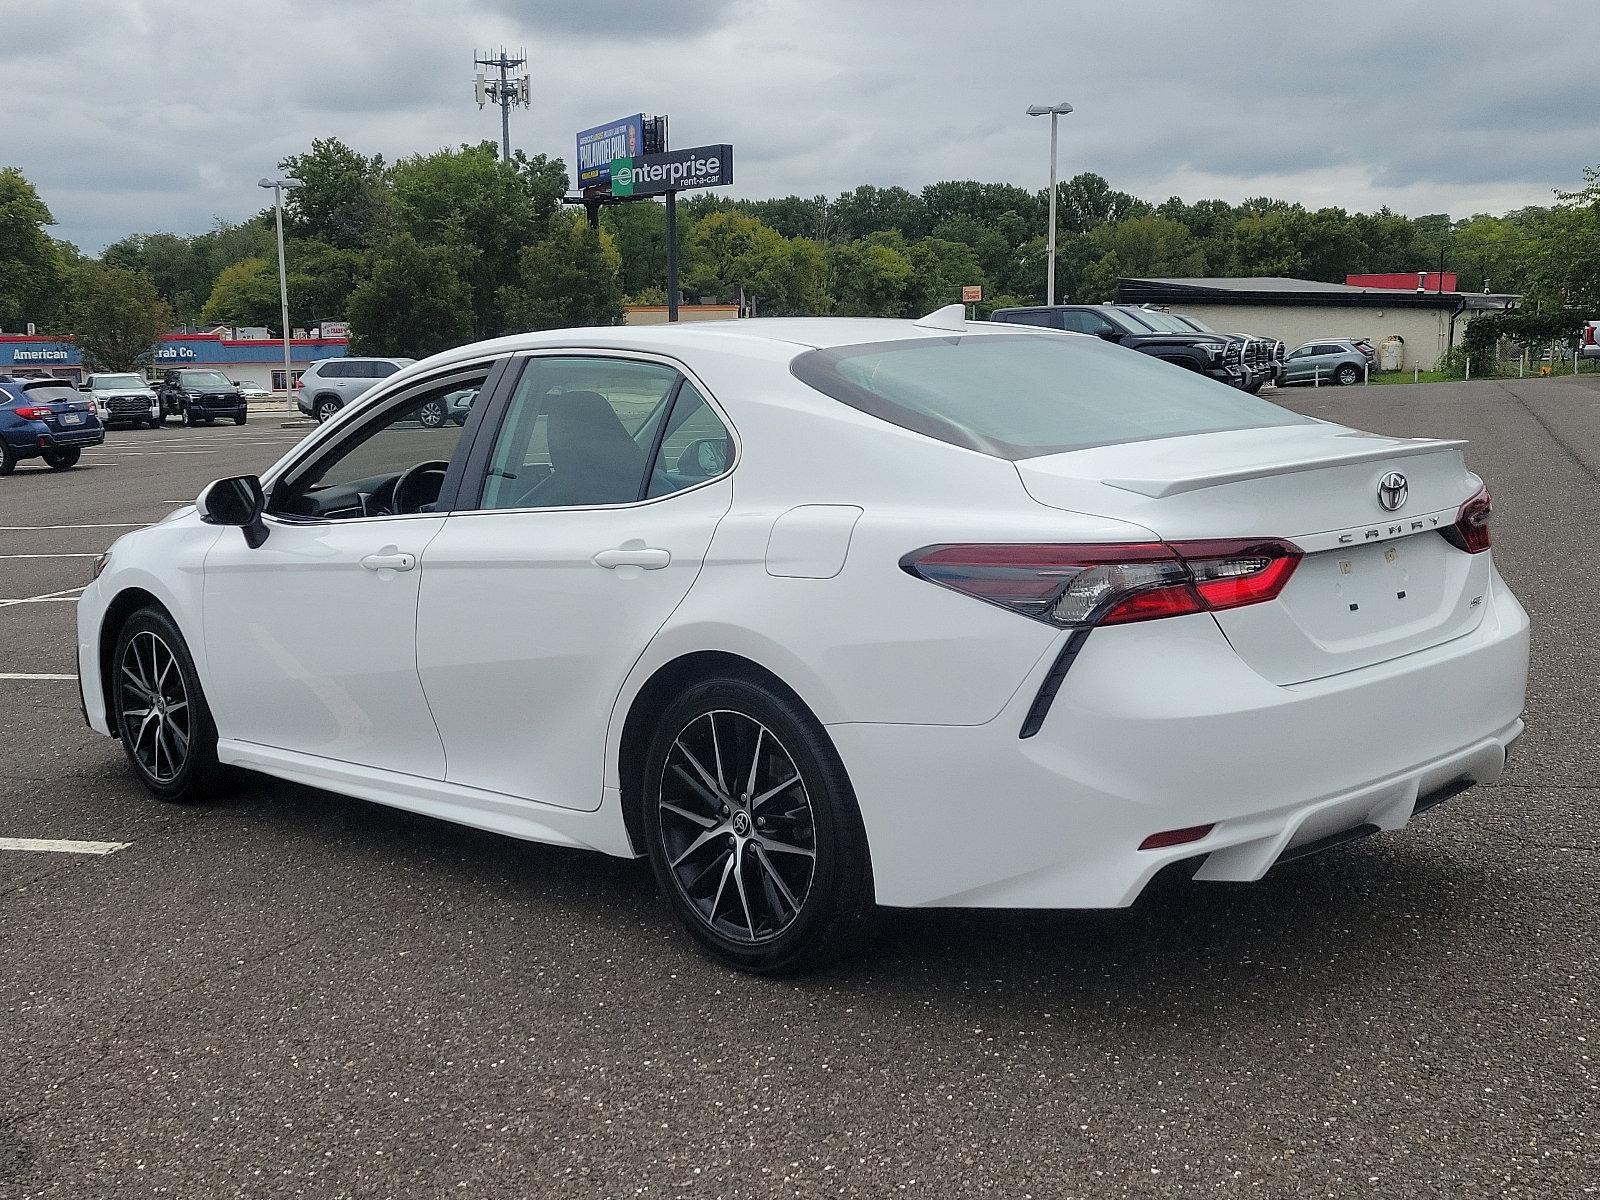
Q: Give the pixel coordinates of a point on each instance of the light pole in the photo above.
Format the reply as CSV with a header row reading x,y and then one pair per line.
x,y
1055,113
279,186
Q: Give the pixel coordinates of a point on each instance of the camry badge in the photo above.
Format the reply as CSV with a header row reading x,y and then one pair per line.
x,y
1392,491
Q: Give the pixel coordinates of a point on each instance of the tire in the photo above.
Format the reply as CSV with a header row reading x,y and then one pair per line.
x,y
432,415
713,849
8,459
1347,374
189,421
159,422
324,408
60,460
1255,388
150,648
241,419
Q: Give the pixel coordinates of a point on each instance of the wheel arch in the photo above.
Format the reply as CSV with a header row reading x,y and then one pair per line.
x,y
665,684
126,602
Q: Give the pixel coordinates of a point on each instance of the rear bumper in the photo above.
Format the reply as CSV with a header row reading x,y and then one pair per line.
x,y
36,440
1161,726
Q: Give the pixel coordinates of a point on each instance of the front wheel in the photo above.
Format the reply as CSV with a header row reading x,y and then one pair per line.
x,y
241,419
60,460
753,830
160,711
432,415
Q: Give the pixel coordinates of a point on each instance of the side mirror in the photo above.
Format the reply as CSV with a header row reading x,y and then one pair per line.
x,y
84,387
1109,335
237,501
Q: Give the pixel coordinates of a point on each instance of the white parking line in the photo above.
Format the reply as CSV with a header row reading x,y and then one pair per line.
x,y
61,846
18,675
46,597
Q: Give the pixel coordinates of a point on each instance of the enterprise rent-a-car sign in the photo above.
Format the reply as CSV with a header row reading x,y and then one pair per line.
x,y
597,148
674,171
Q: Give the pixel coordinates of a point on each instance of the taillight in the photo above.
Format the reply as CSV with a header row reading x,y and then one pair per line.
x,y
32,412
1079,586
1471,530
299,383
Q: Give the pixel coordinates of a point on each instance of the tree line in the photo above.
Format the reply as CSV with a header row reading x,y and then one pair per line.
x,y
438,249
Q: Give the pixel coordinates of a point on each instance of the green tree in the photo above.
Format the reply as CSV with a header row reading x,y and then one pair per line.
x,y
939,270
116,317
1150,246
484,209
572,278
411,301
868,278
246,293
33,265
343,201
640,233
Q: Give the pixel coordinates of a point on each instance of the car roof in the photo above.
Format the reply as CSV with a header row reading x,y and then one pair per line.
x,y
769,338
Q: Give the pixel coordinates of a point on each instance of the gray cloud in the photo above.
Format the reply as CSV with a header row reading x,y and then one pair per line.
x,y
142,115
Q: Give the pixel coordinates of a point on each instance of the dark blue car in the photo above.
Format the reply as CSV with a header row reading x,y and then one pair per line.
x,y
48,419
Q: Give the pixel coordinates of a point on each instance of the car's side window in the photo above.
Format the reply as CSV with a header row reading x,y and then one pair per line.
x,y
695,446
382,369
578,432
1044,319
365,474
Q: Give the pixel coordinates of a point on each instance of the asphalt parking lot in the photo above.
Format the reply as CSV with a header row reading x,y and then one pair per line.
x,y
289,993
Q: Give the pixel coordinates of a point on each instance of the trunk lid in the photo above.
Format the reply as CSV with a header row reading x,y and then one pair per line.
x,y
1374,584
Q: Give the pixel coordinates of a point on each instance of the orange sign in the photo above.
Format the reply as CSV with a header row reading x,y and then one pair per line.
x,y
972,293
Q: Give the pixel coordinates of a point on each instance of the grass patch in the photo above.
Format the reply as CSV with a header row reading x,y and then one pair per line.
x,y
1407,377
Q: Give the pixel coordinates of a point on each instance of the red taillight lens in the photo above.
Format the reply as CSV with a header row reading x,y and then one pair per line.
x,y
299,383
32,412
1078,586
1471,530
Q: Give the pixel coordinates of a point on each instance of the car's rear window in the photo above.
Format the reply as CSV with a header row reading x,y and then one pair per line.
x,y
1030,394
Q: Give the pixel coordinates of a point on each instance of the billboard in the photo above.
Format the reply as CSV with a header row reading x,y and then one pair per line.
x,y
674,171
597,147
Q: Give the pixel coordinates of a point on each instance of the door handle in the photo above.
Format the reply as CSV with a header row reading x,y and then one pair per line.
x,y
647,557
389,562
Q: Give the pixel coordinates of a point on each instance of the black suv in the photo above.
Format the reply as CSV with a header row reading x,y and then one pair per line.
x,y
1208,353
1263,358
200,396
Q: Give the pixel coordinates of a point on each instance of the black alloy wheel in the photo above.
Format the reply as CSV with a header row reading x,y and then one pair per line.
x,y
753,830
159,710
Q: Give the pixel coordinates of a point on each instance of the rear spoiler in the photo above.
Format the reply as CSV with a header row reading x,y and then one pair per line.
x,y
1175,485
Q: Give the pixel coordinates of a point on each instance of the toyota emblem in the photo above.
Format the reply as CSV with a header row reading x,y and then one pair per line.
x,y
1392,491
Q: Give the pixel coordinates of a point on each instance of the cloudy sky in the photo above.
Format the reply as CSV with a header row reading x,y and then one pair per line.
x,y
146,115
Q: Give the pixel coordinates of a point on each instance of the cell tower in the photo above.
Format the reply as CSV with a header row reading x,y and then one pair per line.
x,y
507,91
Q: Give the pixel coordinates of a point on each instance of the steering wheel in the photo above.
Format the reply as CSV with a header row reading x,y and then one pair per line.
x,y
419,485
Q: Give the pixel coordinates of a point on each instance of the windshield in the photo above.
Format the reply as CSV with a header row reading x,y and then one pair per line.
x,y
1159,320
102,382
1019,396
206,379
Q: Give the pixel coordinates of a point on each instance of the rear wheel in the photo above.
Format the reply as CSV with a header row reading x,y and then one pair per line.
x,y
1347,374
160,711
8,459
60,460
753,831
325,408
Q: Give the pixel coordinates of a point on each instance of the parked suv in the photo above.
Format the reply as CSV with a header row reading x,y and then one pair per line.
x,y
1330,361
48,419
1208,353
1263,357
124,399
199,396
330,383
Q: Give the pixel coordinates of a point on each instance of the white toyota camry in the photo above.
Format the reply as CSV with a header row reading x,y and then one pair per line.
x,y
825,615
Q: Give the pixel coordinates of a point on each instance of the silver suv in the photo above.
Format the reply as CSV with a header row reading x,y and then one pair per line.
x,y
330,383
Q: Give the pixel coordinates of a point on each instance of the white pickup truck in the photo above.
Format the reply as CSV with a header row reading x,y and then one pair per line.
x,y
124,399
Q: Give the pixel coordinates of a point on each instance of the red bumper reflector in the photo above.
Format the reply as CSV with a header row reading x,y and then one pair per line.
x,y
1176,837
